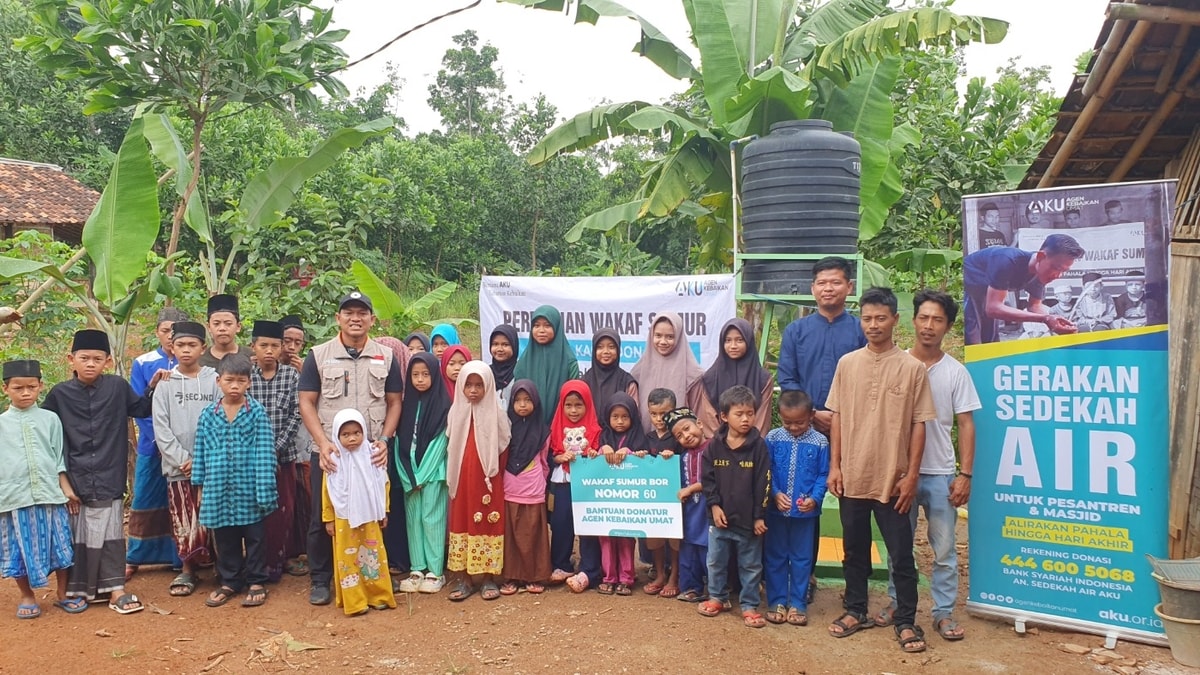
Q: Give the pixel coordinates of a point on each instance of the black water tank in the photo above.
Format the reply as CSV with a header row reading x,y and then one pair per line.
x,y
799,195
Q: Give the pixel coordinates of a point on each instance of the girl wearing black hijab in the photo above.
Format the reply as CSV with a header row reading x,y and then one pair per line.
x,y
606,376
503,346
526,535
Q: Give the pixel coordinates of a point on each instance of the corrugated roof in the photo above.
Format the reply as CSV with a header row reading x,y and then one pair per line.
x,y
1130,107
42,194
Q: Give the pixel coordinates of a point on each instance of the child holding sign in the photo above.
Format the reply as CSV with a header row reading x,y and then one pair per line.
x,y
574,432
621,437
661,443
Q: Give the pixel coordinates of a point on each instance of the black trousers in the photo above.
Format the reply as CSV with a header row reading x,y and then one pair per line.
x,y
241,555
320,544
897,537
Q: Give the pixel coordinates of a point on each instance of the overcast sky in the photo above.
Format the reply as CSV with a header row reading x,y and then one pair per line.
x,y
579,66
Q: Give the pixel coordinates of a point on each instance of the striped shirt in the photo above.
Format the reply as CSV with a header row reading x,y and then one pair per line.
x,y
278,396
235,463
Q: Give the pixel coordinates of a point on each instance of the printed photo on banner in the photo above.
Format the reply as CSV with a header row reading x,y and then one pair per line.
x,y
1066,331
627,305
1065,260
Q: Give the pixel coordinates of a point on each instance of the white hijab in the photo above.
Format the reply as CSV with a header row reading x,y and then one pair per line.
x,y
492,428
357,489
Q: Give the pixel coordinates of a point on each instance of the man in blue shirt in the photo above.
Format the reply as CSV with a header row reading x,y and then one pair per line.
x,y
991,273
811,348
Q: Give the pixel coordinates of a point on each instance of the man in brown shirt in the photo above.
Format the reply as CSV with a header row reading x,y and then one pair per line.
x,y
880,400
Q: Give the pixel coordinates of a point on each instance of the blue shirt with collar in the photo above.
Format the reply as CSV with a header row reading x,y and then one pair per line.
x,y
810,351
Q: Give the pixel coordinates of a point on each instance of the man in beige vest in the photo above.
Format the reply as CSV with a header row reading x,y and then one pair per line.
x,y
349,371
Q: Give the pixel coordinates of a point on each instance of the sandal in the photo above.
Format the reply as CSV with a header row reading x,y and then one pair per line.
x,y
578,583
908,644
127,603
862,623
534,588
777,615
624,590
130,570
811,591
508,588
462,590
653,588
796,618
886,616
559,576
712,607
605,588
183,585
752,619
297,568
255,597
949,629
25,611
489,591
669,592
220,596
72,605
690,596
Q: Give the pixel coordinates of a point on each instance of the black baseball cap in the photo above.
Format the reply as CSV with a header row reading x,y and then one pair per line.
x,y
356,297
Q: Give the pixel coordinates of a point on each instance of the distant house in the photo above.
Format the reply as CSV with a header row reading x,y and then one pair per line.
x,y
35,196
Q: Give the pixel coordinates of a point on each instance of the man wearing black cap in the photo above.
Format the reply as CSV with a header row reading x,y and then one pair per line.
x,y
224,324
349,371
274,385
94,409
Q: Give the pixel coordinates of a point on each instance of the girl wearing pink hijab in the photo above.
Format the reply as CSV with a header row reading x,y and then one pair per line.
x,y
666,362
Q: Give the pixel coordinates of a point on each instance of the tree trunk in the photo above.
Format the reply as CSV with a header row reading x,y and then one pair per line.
x,y
177,218
537,216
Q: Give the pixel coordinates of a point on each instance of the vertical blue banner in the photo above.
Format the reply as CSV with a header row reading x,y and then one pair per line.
x,y
1066,332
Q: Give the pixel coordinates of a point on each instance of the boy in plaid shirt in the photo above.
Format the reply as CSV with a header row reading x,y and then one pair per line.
x,y
274,385
235,461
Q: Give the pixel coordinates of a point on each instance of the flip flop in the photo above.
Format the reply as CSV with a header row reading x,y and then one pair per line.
x,y
946,628
489,591
25,611
885,617
220,596
297,568
848,629
796,618
690,596
182,585
653,588
712,607
752,619
669,591
534,588
508,588
127,603
72,605
255,597
462,590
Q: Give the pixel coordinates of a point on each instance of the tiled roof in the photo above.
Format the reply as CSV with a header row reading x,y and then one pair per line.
x,y
41,194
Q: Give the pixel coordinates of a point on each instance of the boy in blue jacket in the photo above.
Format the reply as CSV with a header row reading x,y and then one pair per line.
x,y
799,467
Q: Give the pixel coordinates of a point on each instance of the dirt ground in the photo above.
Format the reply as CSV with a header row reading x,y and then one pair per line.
x,y
557,632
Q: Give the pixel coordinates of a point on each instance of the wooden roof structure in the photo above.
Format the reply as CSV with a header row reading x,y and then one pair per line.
x,y
1135,109
43,197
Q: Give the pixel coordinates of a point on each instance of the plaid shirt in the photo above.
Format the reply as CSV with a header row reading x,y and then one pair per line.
x,y
279,396
235,464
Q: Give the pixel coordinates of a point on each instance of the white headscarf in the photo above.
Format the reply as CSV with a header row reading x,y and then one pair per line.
x,y
492,428
357,490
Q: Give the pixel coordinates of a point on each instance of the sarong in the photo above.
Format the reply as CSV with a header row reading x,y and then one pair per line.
x,y
278,526
191,538
99,537
150,540
35,541
302,510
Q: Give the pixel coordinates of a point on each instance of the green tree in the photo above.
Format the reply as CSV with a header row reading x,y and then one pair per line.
x,y
41,116
469,91
193,57
778,60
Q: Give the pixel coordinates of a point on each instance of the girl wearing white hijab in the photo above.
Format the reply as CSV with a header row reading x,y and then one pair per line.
x,y
478,431
354,510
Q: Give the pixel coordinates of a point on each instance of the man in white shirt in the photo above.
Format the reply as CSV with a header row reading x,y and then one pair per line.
x,y
945,484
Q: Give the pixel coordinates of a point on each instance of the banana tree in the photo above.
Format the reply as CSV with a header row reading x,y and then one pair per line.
x,y
390,307
761,62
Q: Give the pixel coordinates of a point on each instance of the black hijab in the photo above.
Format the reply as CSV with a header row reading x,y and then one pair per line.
x,y
529,434
502,371
432,406
604,381
420,336
633,438
726,372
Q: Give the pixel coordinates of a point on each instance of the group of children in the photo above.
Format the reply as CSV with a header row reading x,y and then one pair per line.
x,y
482,459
